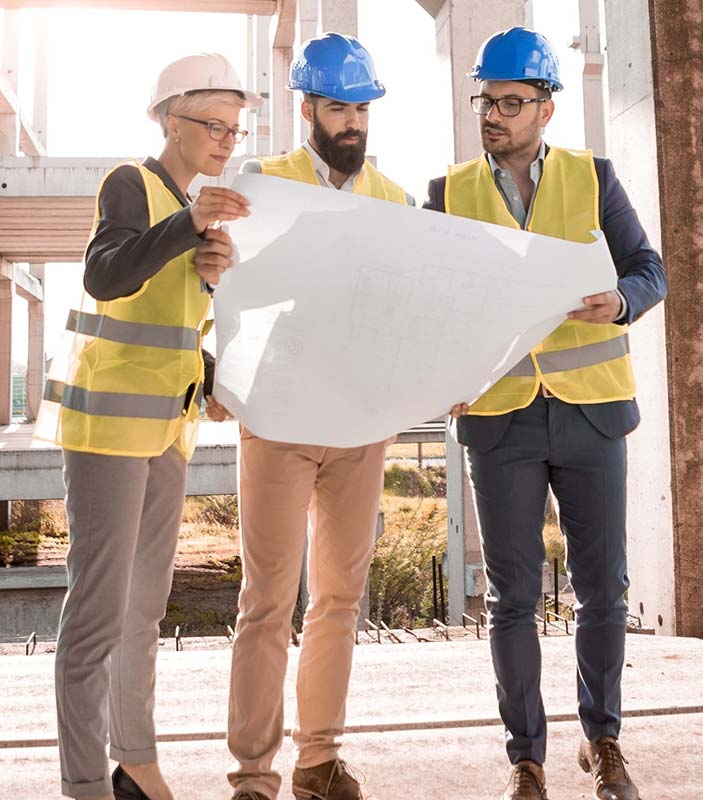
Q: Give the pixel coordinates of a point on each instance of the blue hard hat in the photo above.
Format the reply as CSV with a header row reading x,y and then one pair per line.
x,y
338,67
518,54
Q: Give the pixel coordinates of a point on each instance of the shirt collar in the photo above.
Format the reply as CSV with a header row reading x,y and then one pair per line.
x,y
538,163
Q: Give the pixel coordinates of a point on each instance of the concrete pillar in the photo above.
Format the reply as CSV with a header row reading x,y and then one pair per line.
x,y
308,28
589,43
677,63
6,296
281,101
35,353
261,127
340,16
462,26
40,113
465,577
308,20
632,139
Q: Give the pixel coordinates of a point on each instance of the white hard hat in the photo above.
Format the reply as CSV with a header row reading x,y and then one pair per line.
x,y
199,72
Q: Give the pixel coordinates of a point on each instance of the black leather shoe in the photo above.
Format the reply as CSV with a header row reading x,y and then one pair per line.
x,y
125,788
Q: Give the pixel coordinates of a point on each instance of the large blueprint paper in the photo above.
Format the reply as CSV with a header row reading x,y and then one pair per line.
x,y
349,319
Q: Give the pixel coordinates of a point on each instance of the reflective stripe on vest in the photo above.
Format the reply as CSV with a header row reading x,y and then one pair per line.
x,y
298,166
587,356
116,404
580,362
116,330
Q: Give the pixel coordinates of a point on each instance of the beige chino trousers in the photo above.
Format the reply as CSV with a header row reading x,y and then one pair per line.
x,y
124,515
281,485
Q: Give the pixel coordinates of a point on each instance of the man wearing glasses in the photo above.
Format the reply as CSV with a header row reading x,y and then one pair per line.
x,y
558,419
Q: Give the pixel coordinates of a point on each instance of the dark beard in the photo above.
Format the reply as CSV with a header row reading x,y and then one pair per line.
x,y
345,158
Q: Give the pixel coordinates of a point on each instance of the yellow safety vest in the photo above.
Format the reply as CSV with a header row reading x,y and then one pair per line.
x,y
298,166
579,362
130,380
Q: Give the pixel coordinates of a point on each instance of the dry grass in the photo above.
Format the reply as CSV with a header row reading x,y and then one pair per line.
x,y
429,450
401,571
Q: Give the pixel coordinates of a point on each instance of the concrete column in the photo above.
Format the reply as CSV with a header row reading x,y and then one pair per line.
x,y
677,63
632,138
462,26
250,83
262,85
35,354
308,28
308,20
40,113
589,42
281,101
6,296
340,16
465,577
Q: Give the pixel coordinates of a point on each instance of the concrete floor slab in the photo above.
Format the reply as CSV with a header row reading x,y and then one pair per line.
x,y
665,754
391,684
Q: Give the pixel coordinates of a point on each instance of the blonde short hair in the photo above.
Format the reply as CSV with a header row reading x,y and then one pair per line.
x,y
196,102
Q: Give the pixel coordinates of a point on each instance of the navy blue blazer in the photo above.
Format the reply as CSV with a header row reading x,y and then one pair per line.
x,y
641,279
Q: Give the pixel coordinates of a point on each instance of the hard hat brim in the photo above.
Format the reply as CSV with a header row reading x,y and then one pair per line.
x,y
251,99
553,85
362,95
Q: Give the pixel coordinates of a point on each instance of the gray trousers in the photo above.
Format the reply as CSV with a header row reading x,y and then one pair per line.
x,y
551,443
124,516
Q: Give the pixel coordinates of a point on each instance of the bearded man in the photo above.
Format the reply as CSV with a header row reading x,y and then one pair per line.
x,y
283,485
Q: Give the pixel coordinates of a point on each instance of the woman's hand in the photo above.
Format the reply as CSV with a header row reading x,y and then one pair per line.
x,y
216,411
459,410
215,203
214,255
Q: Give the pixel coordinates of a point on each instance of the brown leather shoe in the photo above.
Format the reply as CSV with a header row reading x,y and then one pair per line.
x,y
333,780
247,794
606,764
526,782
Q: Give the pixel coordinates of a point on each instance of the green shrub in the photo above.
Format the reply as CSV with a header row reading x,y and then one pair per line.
x,y
19,548
401,571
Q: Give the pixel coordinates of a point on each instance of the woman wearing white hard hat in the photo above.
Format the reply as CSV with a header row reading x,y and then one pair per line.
x,y
125,409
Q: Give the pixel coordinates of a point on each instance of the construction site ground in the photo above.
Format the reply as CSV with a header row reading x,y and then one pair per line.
x,y
422,719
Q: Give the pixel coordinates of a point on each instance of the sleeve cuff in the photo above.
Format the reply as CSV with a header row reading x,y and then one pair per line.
x,y
623,307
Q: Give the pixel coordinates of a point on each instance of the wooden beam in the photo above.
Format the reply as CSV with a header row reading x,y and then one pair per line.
x,y
264,7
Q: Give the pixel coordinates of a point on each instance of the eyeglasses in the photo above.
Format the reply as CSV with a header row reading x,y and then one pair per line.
x,y
507,106
218,130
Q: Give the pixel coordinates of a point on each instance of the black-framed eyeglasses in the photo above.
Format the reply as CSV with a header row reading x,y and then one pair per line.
x,y
218,130
507,106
